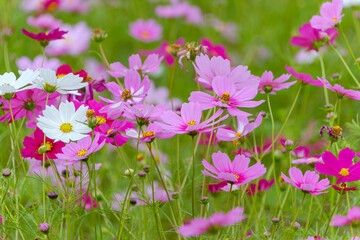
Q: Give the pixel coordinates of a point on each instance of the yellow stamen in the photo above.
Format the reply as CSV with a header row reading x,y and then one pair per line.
x,y
312,159
100,120
335,19
66,127
192,122
148,134
60,75
237,176
225,98
126,95
48,146
238,134
109,131
145,34
344,172
82,152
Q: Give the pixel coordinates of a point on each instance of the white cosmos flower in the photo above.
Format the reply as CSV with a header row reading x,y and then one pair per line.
x,y
9,84
64,84
64,124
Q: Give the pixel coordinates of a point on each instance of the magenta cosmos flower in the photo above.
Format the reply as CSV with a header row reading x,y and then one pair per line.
x,y
144,113
262,186
34,146
113,131
207,69
330,15
353,216
45,38
341,167
151,64
190,120
269,85
308,183
236,172
134,93
211,225
244,127
228,96
214,50
340,90
146,31
80,150
311,38
304,78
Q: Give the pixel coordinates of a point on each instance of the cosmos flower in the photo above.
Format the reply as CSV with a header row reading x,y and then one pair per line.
x,y
113,131
269,85
190,120
214,49
80,150
308,183
262,186
304,78
64,124
353,216
340,90
151,64
9,84
153,130
343,167
312,39
330,15
44,21
146,30
236,172
227,96
144,113
52,82
34,146
45,38
308,160
213,224
177,9
24,62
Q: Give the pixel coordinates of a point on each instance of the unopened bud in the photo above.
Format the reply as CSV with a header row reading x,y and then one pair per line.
x,y
44,227
129,172
53,195
175,195
142,174
275,220
146,168
133,201
140,157
6,172
263,114
204,200
99,35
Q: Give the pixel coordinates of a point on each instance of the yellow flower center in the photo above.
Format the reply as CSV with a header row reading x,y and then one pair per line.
x,y
237,176
145,34
66,127
52,6
344,172
109,131
335,19
60,75
49,88
82,152
192,122
48,146
238,134
140,157
100,120
312,159
336,130
225,98
148,134
126,95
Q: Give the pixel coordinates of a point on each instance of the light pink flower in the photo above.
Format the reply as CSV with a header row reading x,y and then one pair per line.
x,y
76,6
199,226
237,172
153,130
243,129
330,15
190,120
308,160
179,9
207,69
227,96
76,41
80,150
269,85
309,182
44,21
340,90
353,215
143,114
151,64
146,30
24,63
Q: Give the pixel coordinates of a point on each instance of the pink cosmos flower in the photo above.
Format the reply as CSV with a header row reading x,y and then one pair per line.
x,y
153,130
160,96
207,69
262,186
199,226
24,63
27,103
190,120
151,64
87,201
34,146
178,9
45,38
237,172
40,5
311,38
304,78
353,216
75,6
341,167
159,196
144,113
134,93
340,90
76,41
146,30
113,131
252,153
44,21
309,182
269,85
228,96
80,150
165,51
214,50
308,160
243,129
216,187
343,188
330,15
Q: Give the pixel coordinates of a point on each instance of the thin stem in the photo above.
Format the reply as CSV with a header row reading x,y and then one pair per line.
x,y
193,179
323,75
171,86
107,63
348,46
309,214
332,213
297,213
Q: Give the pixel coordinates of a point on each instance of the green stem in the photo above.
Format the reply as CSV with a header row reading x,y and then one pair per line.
x,y
193,180
348,46
323,75
332,213
297,213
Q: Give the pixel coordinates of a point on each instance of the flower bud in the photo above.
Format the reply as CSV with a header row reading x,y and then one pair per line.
x,y
142,174
6,172
99,35
263,114
275,220
336,76
134,187
44,227
129,172
289,145
53,195
146,168
140,157
175,195
133,201
204,200
33,205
